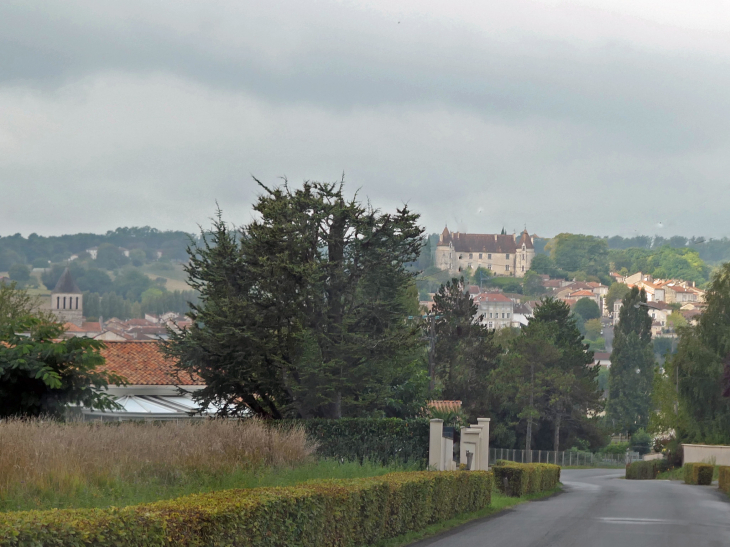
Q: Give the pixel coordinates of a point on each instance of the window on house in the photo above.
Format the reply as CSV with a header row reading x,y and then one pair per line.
x,y
489,266
506,267
77,302
469,265
507,315
490,314
507,256
480,255
64,302
470,255
502,315
461,256
489,256
58,302
491,325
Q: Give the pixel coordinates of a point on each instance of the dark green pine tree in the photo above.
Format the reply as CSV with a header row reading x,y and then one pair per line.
x,y
303,311
465,349
631,375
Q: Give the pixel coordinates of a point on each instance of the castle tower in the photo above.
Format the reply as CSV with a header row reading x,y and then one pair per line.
x,y
524,254
67,301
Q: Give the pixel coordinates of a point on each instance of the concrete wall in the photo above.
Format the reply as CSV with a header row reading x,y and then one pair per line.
x,y
705,453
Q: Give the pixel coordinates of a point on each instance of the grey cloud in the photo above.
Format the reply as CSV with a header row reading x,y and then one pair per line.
x,y
446,116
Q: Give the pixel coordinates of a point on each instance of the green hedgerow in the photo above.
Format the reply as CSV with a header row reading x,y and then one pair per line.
x,y
322,513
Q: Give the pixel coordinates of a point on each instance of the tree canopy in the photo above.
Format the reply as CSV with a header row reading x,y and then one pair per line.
x,y
303,311
632,367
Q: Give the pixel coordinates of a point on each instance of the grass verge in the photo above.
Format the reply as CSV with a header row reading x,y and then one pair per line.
x,y
121,493
499,503
677,474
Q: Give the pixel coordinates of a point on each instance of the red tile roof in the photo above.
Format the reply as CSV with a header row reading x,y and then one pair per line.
x,y
70,327
445,405
93,326
581,293
491,297
142,363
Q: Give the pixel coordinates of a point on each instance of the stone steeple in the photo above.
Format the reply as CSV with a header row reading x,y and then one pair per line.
x,y
67,300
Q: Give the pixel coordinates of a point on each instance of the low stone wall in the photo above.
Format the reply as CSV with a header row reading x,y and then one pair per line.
x,y
706,453
650,457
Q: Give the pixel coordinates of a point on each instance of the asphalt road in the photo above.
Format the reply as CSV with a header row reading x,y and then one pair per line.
x,y
598,508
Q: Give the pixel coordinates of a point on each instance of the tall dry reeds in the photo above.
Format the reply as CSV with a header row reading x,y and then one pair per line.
x,y
42,454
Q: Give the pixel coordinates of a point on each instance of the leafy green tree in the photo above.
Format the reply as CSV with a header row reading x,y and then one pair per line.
x,y
110,257
577,252
40,263
616,291
587,309
138,257
465,350
94,280
543,264
41,375
641,442
16,304
532,284
632,366
19,272
572,391
302,311
593,328
131,284
693,390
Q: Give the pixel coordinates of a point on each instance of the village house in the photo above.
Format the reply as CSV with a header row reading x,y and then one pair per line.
x,y
155,389
503,255
496,309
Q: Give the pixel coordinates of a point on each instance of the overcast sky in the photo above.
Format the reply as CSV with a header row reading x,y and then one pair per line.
x,y
585,116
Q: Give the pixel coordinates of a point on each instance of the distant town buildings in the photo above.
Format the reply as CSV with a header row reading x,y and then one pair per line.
x,y
503,255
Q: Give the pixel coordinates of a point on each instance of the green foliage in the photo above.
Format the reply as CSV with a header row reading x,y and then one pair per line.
x,y
593,328
698,473
616,448
663,262
336,512
465,349
577,252
641,442
724,478
692,395
302,312
546,375
617,291
382,440
543,264
17,249
632,367
587,309
40,374
19,272
532,283
519,479
642,470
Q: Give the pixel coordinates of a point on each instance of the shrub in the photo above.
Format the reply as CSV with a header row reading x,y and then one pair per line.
x,y
517,479
698,473
336,512
724,478
383,440
642,470
641,442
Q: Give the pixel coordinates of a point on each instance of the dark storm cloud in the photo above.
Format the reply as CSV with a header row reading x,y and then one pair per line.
x,y
551,121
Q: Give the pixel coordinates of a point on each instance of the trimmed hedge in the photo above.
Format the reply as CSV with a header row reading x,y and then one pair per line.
x,y
642,470
323,513
698,473
383,440
725,478
517,479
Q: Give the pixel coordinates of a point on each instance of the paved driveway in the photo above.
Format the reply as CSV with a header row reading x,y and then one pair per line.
x,y
598,508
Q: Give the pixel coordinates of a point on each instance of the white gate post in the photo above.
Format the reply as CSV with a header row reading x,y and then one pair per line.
x,y
484,449
435,445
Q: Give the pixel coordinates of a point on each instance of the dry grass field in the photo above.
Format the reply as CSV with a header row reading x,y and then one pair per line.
x,y
48,464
